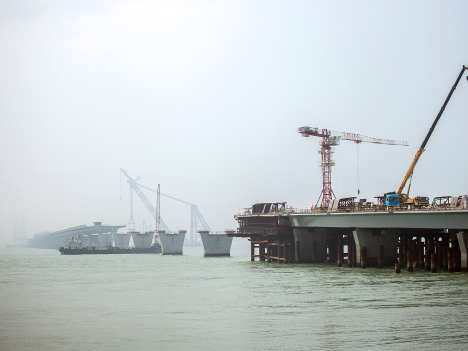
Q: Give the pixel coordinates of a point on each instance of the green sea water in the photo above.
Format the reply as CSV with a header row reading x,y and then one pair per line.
x,y
50,301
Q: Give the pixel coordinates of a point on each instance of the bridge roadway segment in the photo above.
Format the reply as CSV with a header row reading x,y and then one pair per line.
x,y
374,229
436,219
57,239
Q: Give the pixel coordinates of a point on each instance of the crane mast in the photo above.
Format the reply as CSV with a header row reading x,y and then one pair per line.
x,y
134,186
197,221
332,138
196,218
409,173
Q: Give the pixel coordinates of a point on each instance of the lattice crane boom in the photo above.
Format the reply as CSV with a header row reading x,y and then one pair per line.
x,y
197,220
357,138
135,186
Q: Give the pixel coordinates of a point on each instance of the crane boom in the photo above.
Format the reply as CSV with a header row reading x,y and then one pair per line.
x,y
145,200
357,138
170,197
197,220
404,197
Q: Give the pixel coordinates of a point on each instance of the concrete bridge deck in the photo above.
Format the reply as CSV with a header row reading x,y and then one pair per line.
x,y
57,239
371,238
416,219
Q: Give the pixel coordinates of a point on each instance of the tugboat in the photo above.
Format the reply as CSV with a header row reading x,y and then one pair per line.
x,y
74,246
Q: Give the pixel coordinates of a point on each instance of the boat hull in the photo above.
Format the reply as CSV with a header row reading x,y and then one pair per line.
x,y
111,251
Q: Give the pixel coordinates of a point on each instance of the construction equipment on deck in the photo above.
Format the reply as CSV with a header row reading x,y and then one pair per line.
x,y
404,197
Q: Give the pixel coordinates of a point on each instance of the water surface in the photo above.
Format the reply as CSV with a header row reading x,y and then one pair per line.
x,y
50,301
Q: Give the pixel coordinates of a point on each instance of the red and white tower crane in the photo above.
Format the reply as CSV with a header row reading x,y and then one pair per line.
x,y
331,138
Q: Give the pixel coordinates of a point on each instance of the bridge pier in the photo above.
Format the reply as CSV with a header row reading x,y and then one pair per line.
x,y
310,244
371,239
420,253
463,243
220,244
427,256
340,251
172,243
351,254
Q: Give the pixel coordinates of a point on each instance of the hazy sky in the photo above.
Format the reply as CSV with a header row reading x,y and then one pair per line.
x,y
205,98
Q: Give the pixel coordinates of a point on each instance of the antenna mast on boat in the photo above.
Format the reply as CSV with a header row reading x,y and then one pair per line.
x,y
158,208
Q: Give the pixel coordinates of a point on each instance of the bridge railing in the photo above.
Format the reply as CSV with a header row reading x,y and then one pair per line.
x,y
292,210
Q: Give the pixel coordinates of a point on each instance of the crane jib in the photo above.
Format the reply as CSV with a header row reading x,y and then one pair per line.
x,y
442,109
429,133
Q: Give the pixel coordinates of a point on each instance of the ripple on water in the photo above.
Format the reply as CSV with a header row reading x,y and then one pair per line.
x,y
50,301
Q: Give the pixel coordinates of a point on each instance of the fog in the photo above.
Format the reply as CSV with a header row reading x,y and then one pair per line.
x,y
205,98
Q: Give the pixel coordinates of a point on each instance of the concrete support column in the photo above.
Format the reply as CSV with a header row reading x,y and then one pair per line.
x,y
340,251
363,256
305,248
220,244
456,256
414,247
401,253
433,263
350,256
252,250
261,250
463,242
380,256
387,238
440,256
314,251
172,243
409,260
445,244
353,250
420,253
450,259
360,236
427,256
332,249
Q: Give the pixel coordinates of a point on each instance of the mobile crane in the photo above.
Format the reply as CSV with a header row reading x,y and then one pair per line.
x,y
421,201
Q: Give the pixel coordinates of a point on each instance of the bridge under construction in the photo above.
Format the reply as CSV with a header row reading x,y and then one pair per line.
x,y
397,230
430,239
57,239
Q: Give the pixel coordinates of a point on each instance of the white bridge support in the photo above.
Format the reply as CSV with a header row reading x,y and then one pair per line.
x,y
122,241
105,239
172,243
94,239
371,239
310,244
463,243
216,244
142,240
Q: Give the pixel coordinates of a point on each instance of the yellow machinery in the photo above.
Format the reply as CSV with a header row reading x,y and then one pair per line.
x,y
419,201
404,197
